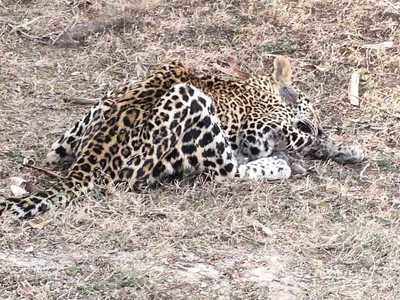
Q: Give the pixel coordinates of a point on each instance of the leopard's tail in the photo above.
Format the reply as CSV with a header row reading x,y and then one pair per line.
x,y
60,195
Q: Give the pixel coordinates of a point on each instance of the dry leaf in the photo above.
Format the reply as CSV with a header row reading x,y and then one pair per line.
x,y
383,45
354,89
18,191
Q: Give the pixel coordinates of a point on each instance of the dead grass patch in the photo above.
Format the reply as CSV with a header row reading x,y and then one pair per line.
x,y
333,234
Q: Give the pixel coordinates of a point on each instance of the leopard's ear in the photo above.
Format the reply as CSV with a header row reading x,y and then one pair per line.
x,y
288,95
282,71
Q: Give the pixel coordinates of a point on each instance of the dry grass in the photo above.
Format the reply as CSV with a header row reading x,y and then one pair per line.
x,y
333,234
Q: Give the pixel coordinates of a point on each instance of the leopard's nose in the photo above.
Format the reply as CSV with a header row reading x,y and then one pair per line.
x,y
321,133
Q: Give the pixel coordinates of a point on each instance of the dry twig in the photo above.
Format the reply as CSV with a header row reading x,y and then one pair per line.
x,y
45,171
81,101
233,69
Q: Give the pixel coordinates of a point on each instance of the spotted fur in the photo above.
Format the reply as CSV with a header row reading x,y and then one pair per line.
x,y
175,122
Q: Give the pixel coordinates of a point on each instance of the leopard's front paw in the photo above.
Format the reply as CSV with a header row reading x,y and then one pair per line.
x,y
349,154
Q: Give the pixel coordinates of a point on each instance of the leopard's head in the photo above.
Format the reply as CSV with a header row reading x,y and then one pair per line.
x,y
306,116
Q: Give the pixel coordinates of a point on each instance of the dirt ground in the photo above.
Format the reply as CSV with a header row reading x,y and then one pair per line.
x,y
333,234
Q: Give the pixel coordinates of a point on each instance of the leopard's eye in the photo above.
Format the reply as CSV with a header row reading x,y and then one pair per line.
x,y
304,126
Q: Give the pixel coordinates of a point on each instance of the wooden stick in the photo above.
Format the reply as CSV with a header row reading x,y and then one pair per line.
x,y
81,101
233,69
47,172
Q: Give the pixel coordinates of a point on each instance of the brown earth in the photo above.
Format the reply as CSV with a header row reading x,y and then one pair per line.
x,y
332,234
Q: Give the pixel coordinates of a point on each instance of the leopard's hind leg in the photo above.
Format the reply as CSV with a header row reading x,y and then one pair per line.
x,y
66,147
182,134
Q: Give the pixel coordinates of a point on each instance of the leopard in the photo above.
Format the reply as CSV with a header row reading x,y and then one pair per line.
x,y
175,121
252,111
249,110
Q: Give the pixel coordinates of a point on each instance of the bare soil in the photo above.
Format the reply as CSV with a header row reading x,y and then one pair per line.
x,y
333,234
